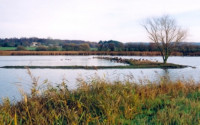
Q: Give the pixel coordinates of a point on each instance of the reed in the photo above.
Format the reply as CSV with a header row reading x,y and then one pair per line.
x,y
132,53
104,102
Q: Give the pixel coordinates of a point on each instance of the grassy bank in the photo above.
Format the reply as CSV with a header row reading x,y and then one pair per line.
x,y
103,102
127,53
136,66
133,53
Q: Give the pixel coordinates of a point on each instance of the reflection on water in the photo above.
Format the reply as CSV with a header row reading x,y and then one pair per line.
x,y
12,79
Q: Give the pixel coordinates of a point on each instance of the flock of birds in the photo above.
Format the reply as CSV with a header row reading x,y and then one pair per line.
x,y
140,59
65,59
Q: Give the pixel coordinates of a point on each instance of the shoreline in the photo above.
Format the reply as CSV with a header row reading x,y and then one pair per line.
x,y
119,53
171,66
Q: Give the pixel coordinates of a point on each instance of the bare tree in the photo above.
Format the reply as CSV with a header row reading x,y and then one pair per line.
x,y
165,33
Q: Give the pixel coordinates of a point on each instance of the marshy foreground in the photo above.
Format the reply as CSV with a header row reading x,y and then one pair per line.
x,y
104,102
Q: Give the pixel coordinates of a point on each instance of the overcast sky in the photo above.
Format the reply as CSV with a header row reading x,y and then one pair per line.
x,y
93,20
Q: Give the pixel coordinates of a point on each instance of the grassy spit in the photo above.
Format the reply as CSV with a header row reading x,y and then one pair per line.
x,y
132,64
104,102
166,66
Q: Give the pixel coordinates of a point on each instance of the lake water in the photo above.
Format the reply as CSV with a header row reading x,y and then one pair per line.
x,y
13,80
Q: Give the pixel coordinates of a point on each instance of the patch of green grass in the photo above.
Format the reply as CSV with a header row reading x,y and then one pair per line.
x,y
93,49
8,48
14,48
103,102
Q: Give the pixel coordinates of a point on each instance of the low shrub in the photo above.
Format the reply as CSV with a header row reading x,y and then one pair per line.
x,y
20,48
53,48
41,48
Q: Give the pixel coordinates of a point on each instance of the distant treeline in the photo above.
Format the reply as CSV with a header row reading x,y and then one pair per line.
x,y
111,45
14,42
80,45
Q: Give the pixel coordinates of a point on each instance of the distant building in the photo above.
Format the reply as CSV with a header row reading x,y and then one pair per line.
x,y
34,44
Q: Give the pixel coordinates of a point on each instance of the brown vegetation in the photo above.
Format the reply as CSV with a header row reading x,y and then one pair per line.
x,y
131,53
103,102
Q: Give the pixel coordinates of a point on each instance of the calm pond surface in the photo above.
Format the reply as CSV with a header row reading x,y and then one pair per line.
x,y
13,80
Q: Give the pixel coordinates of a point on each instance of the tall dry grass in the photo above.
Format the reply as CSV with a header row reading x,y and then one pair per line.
x,y
104,102
133,53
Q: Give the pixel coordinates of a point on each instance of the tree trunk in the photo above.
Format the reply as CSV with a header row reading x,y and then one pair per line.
x,y
165,59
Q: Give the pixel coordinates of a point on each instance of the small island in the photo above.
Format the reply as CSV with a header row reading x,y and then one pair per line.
x,y
131,64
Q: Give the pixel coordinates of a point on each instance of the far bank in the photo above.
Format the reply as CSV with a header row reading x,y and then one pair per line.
x,y
125,53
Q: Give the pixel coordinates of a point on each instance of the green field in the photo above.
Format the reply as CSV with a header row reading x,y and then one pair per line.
x,y
93,49
8,48
14,48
